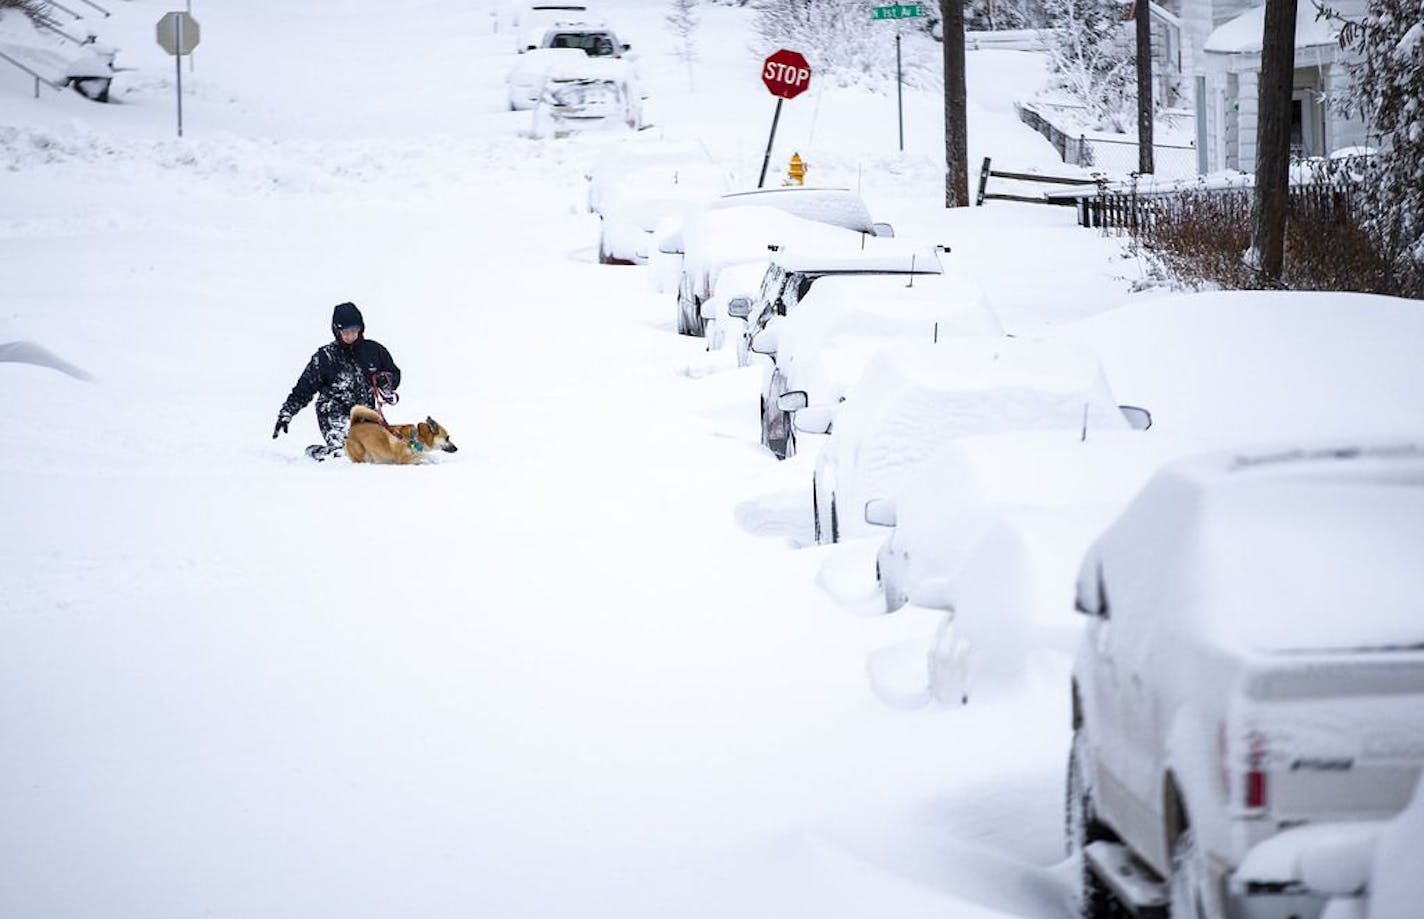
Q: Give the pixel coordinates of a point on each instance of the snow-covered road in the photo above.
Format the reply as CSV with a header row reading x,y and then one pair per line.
x,y
577,668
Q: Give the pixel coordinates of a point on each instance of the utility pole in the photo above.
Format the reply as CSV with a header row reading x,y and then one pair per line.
x,y
956,128
1268,204
1143,15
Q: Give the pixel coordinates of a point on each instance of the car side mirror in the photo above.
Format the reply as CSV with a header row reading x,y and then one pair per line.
x,y
1139,419
815,420
880,512
933,593
1090,599
793,401
739,307
764,342
883,230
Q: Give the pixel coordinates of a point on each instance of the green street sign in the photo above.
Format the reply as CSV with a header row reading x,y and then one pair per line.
x,y
897,11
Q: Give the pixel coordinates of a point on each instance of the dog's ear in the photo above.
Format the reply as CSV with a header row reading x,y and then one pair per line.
x,y
431,421
423,429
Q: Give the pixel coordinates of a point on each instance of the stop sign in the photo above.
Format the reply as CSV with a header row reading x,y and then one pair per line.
x,y
786,74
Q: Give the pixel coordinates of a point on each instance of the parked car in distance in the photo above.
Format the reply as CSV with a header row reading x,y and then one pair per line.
x,y
588,95
1251,671
913,399
533,20
633,207
595,40
525,83
817,351
708,241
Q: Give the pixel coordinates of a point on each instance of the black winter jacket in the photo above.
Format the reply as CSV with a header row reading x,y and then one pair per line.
x,y
341,374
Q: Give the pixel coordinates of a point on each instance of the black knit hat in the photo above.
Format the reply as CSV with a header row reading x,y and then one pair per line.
x,y
346,316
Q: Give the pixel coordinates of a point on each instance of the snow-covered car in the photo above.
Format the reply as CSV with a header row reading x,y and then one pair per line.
x,y
818,349
594,40
619,159
633,207
533,21
709,240
588,95
913,399
734,283
791,272
525,83
1250,677
973,483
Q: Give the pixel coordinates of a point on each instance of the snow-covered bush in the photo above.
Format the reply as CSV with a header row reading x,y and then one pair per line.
x,y
841,41
1388,92
1195,238
1092,57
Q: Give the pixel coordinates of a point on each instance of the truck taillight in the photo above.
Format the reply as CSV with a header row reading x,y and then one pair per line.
x,y
1254,789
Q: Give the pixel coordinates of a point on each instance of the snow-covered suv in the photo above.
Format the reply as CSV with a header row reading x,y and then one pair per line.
x,y
1250,683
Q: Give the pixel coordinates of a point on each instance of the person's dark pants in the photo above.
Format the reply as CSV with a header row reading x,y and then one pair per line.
x,y
334,418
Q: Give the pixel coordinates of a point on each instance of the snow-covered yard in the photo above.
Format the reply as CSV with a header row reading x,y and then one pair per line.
x,y
590,664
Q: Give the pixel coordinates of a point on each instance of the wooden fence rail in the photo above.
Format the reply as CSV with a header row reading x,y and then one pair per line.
x,y
985,173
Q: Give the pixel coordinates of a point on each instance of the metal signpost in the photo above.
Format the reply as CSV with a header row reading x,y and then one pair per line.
x,y
786,75
898,11
178,34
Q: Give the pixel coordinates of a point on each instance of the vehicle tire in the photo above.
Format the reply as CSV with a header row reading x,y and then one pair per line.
x,y
1187,883
776,432
815,511
689,315
1081,827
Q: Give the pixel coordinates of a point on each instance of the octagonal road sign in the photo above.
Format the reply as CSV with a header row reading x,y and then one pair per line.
x,y
178,32
786,74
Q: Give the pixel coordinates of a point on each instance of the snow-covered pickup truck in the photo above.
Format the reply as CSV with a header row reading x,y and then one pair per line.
x,y
1249,689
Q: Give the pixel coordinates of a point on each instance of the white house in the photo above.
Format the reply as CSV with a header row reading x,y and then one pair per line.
x,y
1222,39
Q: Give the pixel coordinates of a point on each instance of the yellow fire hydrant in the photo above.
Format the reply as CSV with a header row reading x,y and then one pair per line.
x,y
796,170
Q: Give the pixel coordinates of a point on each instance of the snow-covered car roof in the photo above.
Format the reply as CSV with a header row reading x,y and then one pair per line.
x,y
843,321
1299,547
721,236
580,66
637,152
1196,361
870,254
914,398
650,193
949,502
836,206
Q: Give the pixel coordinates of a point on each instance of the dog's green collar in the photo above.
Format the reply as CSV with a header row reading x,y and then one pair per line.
x,y
415,445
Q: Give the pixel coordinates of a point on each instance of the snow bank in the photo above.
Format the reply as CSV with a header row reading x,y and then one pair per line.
x,y
1256,366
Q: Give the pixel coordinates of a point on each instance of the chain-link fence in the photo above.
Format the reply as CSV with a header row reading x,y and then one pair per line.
x,y
1120,157
1115,157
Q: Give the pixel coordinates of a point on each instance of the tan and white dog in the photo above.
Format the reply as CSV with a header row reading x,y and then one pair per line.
x,y
370,440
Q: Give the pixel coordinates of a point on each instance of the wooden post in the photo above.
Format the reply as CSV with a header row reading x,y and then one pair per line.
x,y
1143,14
1268,203
983,181
956,120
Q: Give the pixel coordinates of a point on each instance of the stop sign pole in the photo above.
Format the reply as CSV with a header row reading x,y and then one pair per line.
x,y
786,75
178,34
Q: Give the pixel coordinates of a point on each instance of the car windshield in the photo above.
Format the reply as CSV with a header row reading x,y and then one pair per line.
x,y
594,44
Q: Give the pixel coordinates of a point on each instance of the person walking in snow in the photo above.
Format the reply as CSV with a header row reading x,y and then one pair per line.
x,y
340,375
